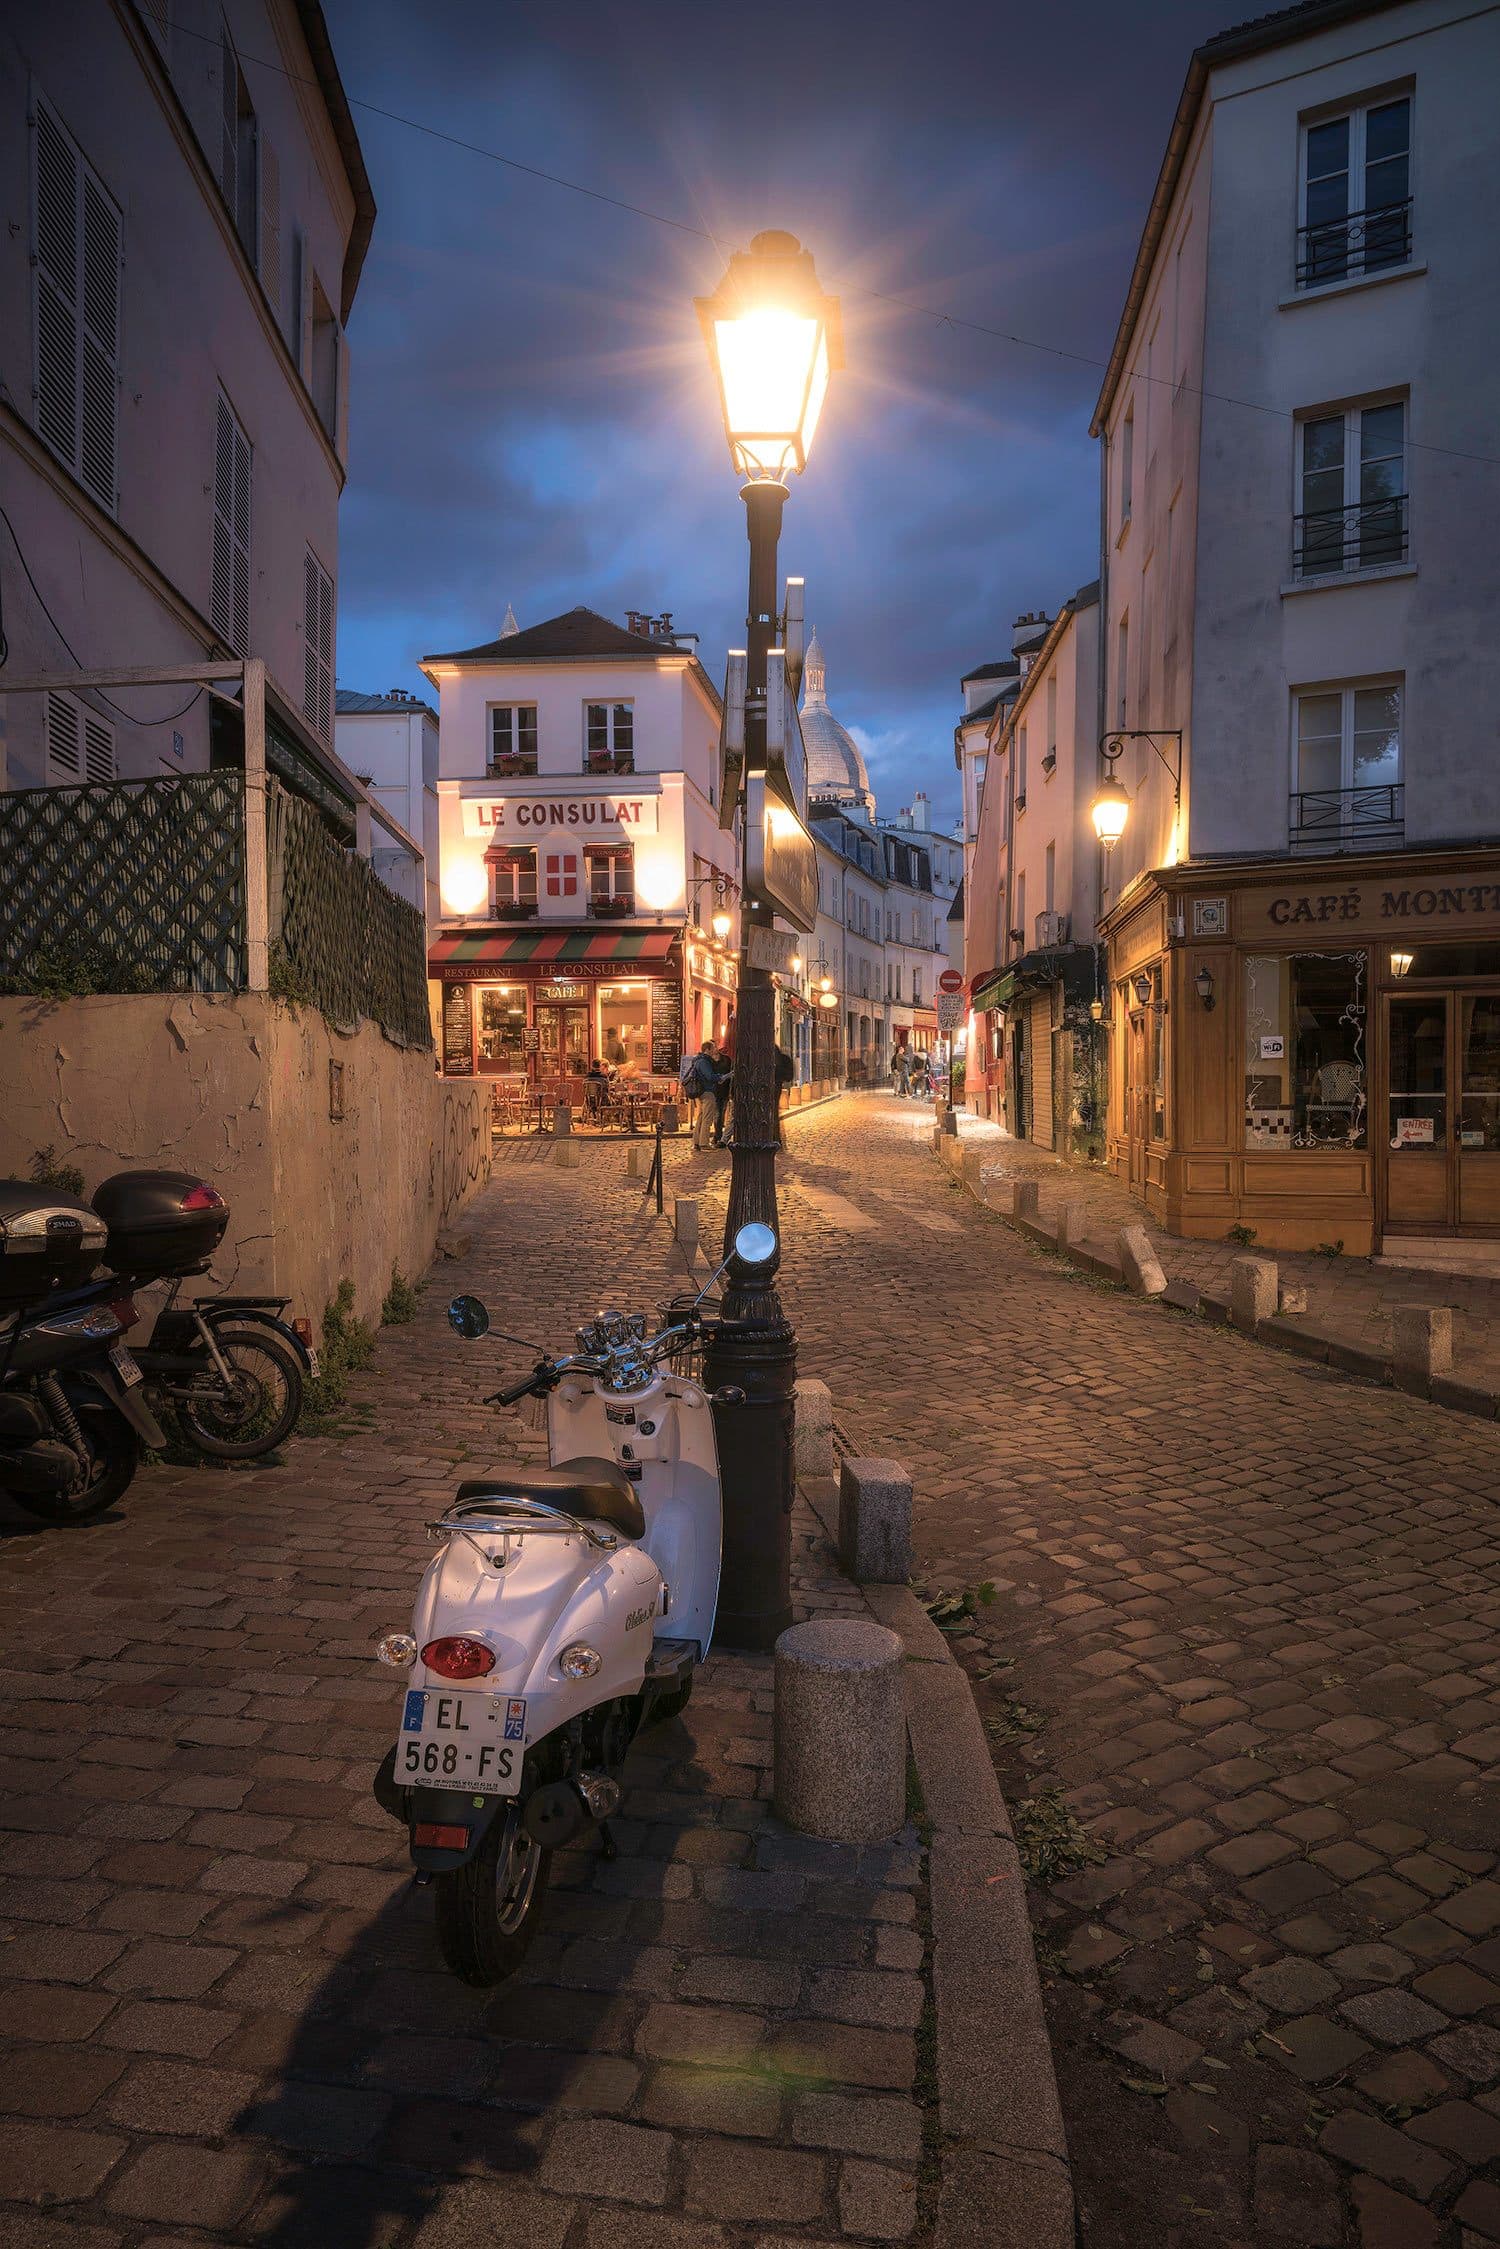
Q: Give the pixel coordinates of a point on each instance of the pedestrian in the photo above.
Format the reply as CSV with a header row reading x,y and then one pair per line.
x,y
903,1072
698,1076
723,1089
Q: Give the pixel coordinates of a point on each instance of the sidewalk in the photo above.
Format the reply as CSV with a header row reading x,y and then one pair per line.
x,y
1348,1298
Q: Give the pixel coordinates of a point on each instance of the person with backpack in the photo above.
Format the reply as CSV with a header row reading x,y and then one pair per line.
x,y
699,1079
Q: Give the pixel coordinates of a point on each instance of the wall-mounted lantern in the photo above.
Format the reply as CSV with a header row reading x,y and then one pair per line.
x,y
1203,985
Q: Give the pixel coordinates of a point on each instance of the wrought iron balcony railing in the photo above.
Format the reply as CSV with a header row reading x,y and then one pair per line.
x,y
610,761
1359,242
1347,819
512,765
1360,537
619,908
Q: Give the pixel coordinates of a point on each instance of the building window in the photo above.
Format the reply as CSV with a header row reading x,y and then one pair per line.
x,y
1050,878
229,605
80,744
325,358
1122,671
502,1025
1351,486
611,881
1050,760
76,308
512,740
1158,1057
1347,792
916,987
1127,465
317,645
512,883
1356,193
609,737
1021,770
1305,1050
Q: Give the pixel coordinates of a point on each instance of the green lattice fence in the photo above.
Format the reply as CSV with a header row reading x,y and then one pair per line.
x,y
341,941
131,886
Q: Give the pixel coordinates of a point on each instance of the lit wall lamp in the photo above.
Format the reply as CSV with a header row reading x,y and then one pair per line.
x,y
1401,963
1111,806
1096,1011
1203,985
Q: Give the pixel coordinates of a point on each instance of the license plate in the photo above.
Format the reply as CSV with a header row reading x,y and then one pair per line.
x,y
314,1364
124,1366
468,1741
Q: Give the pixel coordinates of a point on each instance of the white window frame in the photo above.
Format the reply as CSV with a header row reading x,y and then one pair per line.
x,y
80,744
81,308
512,713
1357,111
617,862
507,894
612,707
1346,690
1352,417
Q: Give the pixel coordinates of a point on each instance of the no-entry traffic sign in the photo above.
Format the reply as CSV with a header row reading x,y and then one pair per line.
x,y
951,980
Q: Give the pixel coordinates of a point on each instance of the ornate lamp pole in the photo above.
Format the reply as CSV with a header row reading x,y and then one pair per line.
x,y
773,338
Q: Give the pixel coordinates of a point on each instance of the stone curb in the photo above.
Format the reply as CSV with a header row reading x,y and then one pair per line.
x,y
1280,1332
1005,2176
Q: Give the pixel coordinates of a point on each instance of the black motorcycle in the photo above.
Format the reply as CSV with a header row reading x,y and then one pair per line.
x,y
232,1369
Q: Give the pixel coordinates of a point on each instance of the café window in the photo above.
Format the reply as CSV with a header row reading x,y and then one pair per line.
x,y
502,1026
1304,1056
611,881
1158,1021
609,737
625,1028
512,883
512,741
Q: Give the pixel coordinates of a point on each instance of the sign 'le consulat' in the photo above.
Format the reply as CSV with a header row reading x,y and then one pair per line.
x,y
530,817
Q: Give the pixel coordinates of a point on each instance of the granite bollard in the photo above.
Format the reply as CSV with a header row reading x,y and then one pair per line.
x,y
685,1221
565,1154
562,1118
814,1428
1252,1292
840,1730
637,1160
1025,1199
875,1521
1421,1344
1140,1266
1072,1219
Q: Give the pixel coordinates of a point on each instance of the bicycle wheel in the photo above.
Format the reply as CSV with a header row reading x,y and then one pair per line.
x,y
262,1404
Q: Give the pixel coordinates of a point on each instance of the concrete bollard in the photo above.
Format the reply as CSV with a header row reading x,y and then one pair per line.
x,y
875,1522
685,1221
637,1161
670,1119
1071,1221
948,1123
814,1428
1025,1199
562,1118
565,1153
1252,1292
1421,1344
840,1730
971,1164
1139,1263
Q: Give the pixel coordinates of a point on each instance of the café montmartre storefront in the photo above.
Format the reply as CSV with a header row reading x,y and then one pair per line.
x,y
1310,1050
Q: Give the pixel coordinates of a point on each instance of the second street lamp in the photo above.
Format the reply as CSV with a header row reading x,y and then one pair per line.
x,y
773,338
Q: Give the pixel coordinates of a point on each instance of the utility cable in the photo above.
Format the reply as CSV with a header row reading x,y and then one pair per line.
x,y
951,320
129,717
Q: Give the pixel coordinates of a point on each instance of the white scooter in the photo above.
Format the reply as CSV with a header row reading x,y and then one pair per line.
x,y
568,1607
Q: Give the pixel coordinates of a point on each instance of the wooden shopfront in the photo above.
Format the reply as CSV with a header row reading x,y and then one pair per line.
x,y
1310,1049
534,1011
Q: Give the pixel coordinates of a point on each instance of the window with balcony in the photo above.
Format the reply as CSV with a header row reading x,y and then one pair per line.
x,y
512,884
512,741
609,737
1356,194
611,882
1351,482
1347,786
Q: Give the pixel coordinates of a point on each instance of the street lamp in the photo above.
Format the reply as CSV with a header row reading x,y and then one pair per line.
x,y
773,339
1111,811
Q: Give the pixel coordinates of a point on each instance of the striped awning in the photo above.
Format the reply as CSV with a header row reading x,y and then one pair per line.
x,y
539,948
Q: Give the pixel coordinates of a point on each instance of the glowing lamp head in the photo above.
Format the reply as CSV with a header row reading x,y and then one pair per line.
x,y
1111,810
723,922
465,886
795,964
1401,963
774,338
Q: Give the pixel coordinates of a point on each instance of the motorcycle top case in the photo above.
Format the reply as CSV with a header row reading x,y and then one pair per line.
x,y
160,1221
47,1241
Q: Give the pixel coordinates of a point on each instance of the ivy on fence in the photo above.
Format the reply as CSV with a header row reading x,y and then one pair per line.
x,y
340,941
124,887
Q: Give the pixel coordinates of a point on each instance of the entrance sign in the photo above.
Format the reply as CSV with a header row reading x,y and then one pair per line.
x,y
781,866
950,981
530,818
458,1031
771,948
952,1011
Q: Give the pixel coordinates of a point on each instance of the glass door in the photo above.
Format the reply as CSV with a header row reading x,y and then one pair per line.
x,y
1478,1119
562,1041
1418,1152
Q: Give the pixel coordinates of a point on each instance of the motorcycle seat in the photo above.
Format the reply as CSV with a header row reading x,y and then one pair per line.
x,y
589,1486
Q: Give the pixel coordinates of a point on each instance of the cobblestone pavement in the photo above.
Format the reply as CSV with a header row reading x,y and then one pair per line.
x,y
1350,1297
1244,1617
223,2011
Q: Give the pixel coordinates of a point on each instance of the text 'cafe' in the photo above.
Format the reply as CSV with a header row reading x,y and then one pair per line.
x,y
1309,1058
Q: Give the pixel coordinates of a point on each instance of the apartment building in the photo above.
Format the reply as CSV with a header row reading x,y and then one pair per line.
x,y
390,744
188,213
1298,665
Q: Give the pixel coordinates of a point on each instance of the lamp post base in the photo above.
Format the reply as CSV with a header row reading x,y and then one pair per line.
x,y
757,1455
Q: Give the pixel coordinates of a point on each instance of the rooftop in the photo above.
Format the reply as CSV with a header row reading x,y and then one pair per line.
x,y
577,633
351,701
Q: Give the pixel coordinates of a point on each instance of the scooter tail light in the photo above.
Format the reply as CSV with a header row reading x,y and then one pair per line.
x,y
458,1658
124,1311
203,1197
302,1330
431,1835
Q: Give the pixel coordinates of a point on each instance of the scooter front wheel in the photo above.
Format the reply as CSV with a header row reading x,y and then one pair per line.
x,y
489,1908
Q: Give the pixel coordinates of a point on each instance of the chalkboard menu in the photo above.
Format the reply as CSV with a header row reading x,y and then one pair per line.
x,y
666,1028
458,1031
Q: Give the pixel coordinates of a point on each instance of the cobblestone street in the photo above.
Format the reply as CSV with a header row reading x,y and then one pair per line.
x,y
1244,1616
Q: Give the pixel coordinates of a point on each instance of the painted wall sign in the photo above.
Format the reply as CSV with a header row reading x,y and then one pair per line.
x,y
458,1031
530,819
666,1029
1413,1132
539,972
1421,902
1273,1047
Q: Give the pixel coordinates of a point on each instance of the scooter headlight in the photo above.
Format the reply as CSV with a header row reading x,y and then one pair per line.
x,y
398,1649
580,1661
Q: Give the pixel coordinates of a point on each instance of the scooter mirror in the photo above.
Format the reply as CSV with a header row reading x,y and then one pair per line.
x,y
755,1244
467,1317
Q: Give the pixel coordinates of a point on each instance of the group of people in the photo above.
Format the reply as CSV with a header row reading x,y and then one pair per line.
x,y
707,1080
912,1073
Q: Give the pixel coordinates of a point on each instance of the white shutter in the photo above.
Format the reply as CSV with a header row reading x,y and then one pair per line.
x,y
56,247
64,759
101,342
229,605
270,224
317,646
98,748
229,120
241,540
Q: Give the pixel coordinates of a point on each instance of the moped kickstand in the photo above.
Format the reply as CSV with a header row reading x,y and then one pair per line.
x,y
608,1847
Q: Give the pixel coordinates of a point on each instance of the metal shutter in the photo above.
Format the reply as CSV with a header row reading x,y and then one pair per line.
x,y
229,606
98,748
269,262
101,341
77,299
1039,1042
64,759
317,645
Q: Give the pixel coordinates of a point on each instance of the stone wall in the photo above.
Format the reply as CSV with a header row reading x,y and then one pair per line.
x,y
339,1154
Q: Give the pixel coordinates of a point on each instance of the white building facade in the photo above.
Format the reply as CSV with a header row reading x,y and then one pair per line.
x,y
390,743
189,214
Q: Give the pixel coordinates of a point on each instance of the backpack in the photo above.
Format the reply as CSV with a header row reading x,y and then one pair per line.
x,y
690,1074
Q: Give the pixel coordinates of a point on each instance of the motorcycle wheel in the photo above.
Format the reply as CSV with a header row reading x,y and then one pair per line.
x,y
265,1403
488,1909
114,1456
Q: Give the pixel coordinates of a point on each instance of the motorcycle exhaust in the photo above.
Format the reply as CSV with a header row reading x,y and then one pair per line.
x,y
45,1466
557,1813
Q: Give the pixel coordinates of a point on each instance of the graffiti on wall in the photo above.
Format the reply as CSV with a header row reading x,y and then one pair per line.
x,y
464,1159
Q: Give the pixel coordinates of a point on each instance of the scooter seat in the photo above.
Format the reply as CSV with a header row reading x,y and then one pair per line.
x,y
588,1486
